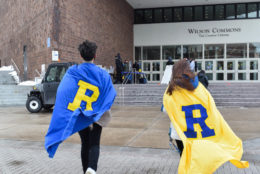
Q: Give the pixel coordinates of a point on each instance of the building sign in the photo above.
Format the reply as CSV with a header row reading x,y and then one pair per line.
x,y
214,32
55,56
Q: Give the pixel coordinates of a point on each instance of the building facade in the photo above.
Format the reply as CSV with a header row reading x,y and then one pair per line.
x,y
224,39
31,30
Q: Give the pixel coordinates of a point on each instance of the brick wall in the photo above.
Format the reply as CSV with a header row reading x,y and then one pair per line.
x,y
25,22
109,23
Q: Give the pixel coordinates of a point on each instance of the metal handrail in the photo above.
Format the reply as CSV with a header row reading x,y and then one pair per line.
x,y
16,67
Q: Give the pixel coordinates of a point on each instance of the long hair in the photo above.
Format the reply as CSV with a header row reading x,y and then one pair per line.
x,y
181,76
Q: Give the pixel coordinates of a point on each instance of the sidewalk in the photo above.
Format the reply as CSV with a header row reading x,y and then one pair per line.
x,y
135,142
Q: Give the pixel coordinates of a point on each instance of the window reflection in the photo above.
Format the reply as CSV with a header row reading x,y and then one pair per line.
x,y
236,50
214,51
187,13
219,12
230,65
254,76
177,14
192,51
241,76
254,50
167,15
151,53
230,11
241,11
173,52
209,65
208,13
157,15
198,13
252,10
156,66
220,65
230,76
254,65
148,16
241,65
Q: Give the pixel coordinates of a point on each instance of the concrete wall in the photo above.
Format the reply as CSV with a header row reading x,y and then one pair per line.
x,y
233,31
67,23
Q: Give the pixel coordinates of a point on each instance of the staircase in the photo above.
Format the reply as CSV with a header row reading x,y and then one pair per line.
x,y
12,94
224,94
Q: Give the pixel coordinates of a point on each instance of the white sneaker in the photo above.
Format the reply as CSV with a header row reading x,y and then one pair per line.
x,y
90,171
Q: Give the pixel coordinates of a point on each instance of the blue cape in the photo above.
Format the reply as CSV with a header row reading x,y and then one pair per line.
x,y
66,122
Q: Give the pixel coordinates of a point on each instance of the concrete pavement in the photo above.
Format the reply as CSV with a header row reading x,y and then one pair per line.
x,y
135,141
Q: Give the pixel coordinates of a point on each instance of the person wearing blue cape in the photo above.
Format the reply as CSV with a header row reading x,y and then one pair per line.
x,y
83,101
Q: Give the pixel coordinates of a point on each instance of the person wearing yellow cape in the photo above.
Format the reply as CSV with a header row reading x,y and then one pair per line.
x,y
208,140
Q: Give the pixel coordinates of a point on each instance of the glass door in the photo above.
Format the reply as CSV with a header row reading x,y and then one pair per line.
x,y
152,69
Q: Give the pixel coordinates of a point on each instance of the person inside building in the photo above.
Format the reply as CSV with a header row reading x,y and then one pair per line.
x,y
169,62
203,78
119,69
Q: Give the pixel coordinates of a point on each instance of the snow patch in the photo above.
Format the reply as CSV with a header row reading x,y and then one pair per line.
x,y
7,68
27,83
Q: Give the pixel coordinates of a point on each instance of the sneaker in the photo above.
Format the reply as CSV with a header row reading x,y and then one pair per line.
x,y
90,171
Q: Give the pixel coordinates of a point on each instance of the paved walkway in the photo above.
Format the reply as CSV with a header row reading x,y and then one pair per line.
x,y
27,157
135,142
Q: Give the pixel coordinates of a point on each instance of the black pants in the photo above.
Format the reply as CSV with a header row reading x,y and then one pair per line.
x,y
90,139
179,145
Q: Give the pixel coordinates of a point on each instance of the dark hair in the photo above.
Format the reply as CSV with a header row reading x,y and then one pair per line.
x,y
87,50
181,75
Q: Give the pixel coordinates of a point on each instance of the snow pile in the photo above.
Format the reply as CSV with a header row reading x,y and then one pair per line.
x,y
7,68
15,76
27,83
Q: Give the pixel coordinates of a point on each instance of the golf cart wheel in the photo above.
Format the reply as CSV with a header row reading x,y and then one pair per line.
x,y
33,104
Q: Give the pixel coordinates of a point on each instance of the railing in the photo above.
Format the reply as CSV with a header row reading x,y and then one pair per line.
x,y
17,70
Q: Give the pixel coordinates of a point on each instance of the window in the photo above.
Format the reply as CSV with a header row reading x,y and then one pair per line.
x,y
220,76
55,74
139,16
230,65
241,65
148,16
254,50
254,65
254,76
210,76
236,50
198,13
230,76
157,15
214,51
137,53
219,12
167,15
151,53
220,65
188,14
192,51
241,76
252,10
230,11
259,10
241,11
208,12
171,51
177,14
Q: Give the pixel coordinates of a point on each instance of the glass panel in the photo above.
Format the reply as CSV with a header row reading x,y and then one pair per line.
x,y
56,74
220,65
157,15
241,65
236,50
177,14
137,53
167,15
151,53
254,76
210,76
220,76
173,52
146,66
219,12
230,76
241,11
214,51
259,10
254,50
252,10
254,65
231,65
156,66
164,65
192,51
148,77
230,11
241,76
208,13
187,13
148,16
198,13
199,66
139,17
209,65
156,77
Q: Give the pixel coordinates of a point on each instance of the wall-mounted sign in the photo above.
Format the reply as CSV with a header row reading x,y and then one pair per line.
x,y
214,32
55,56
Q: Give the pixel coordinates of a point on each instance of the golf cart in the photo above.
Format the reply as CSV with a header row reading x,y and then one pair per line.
x,y
43,95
